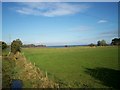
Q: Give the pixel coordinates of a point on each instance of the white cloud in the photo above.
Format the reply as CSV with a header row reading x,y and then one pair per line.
x,y
102,21
50,9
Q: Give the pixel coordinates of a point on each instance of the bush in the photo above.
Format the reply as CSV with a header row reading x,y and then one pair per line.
x,y
16,46
101,43
92,45
4,45
115,41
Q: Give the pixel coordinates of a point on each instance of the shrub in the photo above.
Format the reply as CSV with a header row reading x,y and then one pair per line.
x,y
16,46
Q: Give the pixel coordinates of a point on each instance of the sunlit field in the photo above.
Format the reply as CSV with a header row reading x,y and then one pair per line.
x,y
77,66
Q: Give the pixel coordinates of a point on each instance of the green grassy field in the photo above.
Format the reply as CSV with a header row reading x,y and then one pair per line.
x,y
78,66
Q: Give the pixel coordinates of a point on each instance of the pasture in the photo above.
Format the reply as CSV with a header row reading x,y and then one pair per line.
x,y
92,67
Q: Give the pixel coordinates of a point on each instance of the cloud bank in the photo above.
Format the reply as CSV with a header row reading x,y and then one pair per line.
x,y
50,9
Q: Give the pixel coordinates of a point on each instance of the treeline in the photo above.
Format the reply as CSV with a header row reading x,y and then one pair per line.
x,y
17,44
4,44
32,45
114,42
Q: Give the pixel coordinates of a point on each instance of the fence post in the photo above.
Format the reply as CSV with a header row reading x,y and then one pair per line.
x,y
46,74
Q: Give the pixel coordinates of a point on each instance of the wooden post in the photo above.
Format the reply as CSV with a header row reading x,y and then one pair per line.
x,y
34,63
46,74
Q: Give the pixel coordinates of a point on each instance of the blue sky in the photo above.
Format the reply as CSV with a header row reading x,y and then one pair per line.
x,y
59,23
60,0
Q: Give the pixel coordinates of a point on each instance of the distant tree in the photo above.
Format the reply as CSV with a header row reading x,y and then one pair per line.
x,y
101,43
115,41
92,45
32,45
4,45
16,46
66,46
98,43
1,44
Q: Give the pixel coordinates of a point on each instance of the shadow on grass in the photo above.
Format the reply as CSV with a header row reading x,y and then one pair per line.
x,y
108,77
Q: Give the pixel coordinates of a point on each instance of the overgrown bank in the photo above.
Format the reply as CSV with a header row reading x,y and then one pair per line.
x,y
16,67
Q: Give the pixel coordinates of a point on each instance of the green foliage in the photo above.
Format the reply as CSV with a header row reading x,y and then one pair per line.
x,y
32,45
101,43
98,43
7,72
92,45
16,46
4,45
115,41
5,52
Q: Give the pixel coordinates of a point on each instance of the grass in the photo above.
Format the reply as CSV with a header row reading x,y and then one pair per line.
x,y
15,67
8,69
7,72
69,66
